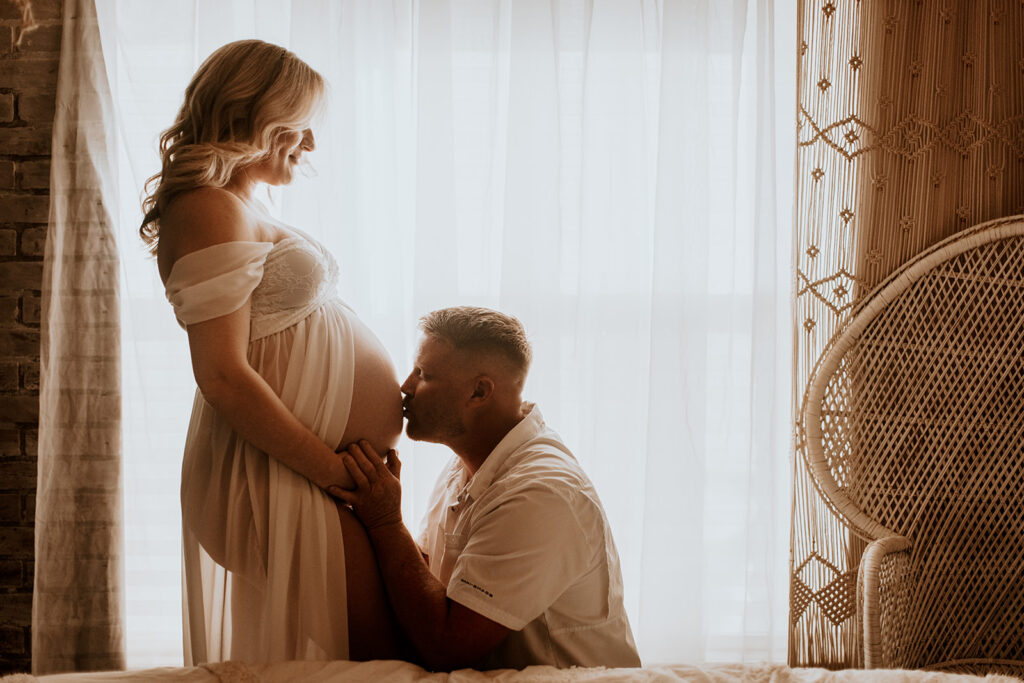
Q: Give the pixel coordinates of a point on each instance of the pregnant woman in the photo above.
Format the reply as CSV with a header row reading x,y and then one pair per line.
x,y
274,568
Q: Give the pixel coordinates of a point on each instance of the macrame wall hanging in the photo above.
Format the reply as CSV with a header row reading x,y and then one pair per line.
x,y
910,129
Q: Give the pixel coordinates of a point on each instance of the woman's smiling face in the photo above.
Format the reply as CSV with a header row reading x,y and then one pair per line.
x,y
279,165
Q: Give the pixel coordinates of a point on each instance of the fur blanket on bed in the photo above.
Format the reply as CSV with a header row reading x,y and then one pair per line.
x,y
403,672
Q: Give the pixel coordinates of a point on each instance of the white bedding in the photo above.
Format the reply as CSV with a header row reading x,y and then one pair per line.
x,y
403,672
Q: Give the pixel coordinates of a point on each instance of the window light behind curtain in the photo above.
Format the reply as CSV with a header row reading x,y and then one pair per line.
x,y
616,174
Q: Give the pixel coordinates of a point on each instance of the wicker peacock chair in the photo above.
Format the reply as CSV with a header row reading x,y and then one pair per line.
x,y
914,419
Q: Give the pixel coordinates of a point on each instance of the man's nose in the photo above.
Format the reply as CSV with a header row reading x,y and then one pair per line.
x,y
408,386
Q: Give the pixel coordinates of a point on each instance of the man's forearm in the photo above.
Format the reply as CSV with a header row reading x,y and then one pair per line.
x,y
419,600
447,634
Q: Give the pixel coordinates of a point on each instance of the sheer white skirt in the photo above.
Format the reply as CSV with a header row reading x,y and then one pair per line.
x,y
264,564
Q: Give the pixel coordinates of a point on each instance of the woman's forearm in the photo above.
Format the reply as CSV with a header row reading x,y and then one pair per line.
x,y
259,416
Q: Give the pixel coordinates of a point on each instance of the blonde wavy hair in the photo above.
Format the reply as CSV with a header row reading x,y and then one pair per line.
x,y
245,95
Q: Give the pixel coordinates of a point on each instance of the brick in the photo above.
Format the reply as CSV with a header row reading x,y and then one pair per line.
x,y
8,242
33,242
41,38
32,449
37,106
6,106
46,10
10,10
32,74
30,309
11,574
23,343
6,40
33,174
8,310
12,640
17,541
24,208
35,139
19,408
8,376
10,440
16,608
89,439
77,408
18,275
6,175
10,508
16,475
30,375
30,518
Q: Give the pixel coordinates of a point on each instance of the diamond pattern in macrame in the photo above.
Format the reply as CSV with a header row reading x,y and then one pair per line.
x,y
912,136
846,136
965,132
1011,131
800,596
838,600
831,290
814,567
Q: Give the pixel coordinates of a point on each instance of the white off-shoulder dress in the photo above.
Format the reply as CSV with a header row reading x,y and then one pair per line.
x,y
264,566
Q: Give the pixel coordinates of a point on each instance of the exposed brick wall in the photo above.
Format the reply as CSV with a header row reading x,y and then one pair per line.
x,y
28,83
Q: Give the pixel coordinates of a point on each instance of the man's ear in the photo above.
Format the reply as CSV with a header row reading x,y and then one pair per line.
x,y
483,389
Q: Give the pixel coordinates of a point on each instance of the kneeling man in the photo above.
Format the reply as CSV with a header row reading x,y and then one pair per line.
x,y
516,564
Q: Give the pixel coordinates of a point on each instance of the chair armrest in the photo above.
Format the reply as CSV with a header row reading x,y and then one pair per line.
x,y
868,599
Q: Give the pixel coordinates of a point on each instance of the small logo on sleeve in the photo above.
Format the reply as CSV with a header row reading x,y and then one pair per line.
x,y
482,590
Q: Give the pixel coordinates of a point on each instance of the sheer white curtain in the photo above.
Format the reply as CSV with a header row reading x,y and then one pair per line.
x,y
77,599
616,174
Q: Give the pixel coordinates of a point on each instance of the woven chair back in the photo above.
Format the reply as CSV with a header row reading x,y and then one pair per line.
x,y
915,424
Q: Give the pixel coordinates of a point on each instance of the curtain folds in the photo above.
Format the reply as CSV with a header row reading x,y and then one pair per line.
x,y
614,174
77,611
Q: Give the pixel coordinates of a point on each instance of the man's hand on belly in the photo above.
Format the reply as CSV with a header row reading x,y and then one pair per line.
x,y
377,498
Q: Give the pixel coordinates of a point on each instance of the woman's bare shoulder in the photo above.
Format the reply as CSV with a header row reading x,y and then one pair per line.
x,y
200,218
206,216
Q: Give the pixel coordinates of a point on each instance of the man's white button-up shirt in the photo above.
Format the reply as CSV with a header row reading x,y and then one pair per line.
x,y
525,542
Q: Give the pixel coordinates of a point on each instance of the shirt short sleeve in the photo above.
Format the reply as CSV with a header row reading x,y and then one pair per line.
x,y
216,280
520,556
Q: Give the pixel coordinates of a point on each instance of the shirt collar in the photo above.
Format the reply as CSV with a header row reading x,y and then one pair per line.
x,y
529,427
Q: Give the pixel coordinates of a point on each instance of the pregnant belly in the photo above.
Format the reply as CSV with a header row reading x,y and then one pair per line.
x,y
376,412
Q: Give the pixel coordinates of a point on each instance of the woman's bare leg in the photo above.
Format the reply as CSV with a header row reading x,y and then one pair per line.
x,y
373,631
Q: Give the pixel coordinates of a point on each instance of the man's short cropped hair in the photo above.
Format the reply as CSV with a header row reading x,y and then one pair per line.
x,y
472,328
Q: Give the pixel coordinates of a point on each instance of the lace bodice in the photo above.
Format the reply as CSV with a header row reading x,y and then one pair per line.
x,y
287,281
299,276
